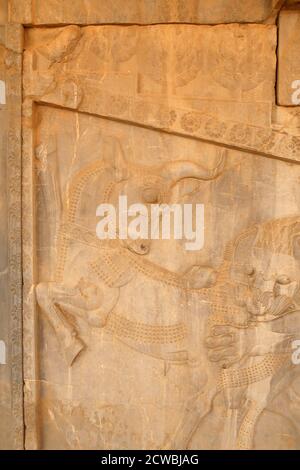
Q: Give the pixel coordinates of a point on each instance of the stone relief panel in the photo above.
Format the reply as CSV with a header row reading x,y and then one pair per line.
x,y
158,347
202,67
161,79
138,343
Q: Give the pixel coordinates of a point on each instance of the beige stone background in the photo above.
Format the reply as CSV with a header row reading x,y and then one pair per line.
x,y
181,101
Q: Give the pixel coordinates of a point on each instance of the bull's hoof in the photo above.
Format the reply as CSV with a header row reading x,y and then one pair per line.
x,y
73,350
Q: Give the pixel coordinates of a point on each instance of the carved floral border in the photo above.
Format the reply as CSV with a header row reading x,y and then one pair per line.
x,y
12,39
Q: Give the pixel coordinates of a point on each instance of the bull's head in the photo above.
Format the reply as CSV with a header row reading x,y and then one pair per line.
x,y
154,184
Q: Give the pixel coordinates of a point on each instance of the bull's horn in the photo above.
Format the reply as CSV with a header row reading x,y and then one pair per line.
x,y
116,157
176,171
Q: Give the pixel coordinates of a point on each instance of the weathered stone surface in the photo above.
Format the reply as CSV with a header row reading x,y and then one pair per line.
x,y
160,79
150,358
288,88
136,381
11,382
140,11
142,344
3,12
186,63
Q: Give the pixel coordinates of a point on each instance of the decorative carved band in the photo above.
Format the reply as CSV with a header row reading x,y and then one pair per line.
x,y
11,38
145,333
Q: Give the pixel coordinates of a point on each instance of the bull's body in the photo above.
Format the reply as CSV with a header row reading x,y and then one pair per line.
x,y
91,274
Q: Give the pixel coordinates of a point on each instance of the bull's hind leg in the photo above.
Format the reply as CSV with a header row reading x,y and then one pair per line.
x,y
66,333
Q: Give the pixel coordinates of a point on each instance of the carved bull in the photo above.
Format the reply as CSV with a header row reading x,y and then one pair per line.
x,y
91,274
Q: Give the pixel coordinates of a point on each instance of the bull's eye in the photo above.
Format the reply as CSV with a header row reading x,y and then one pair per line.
x,y
150,195
283,280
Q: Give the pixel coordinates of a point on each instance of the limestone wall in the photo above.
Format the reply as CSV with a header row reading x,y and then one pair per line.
x,y
143,344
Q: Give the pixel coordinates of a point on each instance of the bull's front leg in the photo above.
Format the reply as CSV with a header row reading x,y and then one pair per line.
x,y
88,301
48,299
